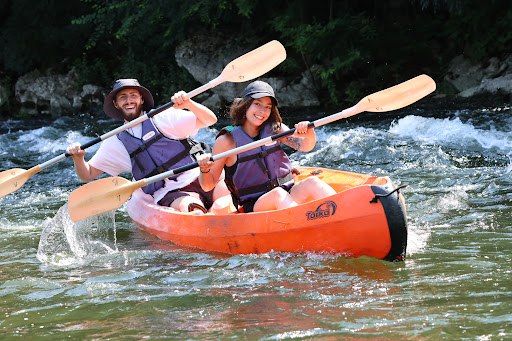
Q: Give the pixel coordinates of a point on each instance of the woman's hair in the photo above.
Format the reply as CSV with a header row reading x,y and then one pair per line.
x,y
239,108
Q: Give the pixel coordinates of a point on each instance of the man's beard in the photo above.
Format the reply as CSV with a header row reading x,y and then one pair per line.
x,y
131,117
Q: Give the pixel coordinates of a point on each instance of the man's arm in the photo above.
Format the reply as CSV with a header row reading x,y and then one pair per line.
x,y
205,117
84,171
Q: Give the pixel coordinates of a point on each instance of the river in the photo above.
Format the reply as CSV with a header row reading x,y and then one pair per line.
x,y
103,278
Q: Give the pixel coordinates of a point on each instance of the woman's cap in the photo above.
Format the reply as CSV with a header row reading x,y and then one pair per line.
x,y
259,89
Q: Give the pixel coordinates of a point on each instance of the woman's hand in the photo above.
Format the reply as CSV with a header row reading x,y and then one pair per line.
x,y
303,139
301,127
205,163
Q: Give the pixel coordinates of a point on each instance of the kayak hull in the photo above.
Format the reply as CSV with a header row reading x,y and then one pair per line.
x,y
366,217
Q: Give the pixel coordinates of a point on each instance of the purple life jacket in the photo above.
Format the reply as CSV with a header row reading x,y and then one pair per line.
x,y
155,154
259,170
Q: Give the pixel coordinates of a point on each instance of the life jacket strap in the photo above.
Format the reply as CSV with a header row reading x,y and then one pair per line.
x,y
261,154
145,146
267,186
191,146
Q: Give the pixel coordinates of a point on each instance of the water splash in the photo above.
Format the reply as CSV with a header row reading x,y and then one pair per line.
x,y
508,169
64,242
418,235
451,130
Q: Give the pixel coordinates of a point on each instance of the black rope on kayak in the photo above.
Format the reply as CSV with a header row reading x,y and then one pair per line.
x,y
377,196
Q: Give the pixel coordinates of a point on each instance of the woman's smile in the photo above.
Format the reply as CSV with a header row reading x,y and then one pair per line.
x,y
260,109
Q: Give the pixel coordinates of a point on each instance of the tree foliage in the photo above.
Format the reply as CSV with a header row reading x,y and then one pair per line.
x,y
350,47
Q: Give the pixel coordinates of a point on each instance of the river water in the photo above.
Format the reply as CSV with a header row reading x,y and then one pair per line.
x,y
103,278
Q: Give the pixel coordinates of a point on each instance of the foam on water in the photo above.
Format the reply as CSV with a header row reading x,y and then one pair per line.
x,y
51,140
451,130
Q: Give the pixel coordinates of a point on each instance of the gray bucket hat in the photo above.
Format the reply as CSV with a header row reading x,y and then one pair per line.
x,y
120,84
259,89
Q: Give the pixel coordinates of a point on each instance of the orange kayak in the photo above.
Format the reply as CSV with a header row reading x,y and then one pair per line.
x,y
367,216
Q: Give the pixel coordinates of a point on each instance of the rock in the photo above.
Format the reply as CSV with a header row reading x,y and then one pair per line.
x,y
299,94
204,57
473,79
46,94
213,102
56,94
91,99
496,85
462,74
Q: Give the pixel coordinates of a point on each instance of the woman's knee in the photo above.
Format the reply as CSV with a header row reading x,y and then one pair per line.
x,y
313,181
308,185
311,188
275,199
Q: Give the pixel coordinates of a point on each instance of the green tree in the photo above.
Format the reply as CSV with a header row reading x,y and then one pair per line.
x,y
352,48
39,34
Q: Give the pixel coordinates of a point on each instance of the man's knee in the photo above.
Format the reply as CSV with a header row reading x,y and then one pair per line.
x,y
182,204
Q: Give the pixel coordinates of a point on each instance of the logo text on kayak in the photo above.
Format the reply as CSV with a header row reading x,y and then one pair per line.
x,y
324,210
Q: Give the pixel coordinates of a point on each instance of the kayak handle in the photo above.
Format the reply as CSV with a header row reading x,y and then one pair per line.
x,y
377,196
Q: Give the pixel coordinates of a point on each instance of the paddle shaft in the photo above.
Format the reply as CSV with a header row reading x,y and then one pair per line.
x,y
106,194
334,117
133,123
244,68
393,98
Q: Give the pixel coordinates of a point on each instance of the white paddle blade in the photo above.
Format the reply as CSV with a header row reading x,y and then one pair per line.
x,y
255,63
398,96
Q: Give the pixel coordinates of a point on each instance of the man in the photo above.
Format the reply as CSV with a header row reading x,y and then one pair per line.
x,y
154,146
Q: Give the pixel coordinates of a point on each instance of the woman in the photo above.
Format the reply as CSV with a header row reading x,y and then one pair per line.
x,y
261,179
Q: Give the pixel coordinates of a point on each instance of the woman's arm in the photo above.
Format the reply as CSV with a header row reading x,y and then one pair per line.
x,y
211,171
303,139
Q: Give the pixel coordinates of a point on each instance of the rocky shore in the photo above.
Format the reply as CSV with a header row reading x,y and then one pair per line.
x,y
54,94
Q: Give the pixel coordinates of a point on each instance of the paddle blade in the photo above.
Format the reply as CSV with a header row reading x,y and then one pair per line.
x,y
398,96
255,63
12,179
100,196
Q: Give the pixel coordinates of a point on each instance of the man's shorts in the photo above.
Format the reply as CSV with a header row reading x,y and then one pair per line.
x,y
193,187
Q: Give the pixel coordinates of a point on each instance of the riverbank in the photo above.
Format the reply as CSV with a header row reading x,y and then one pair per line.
x,y
52,93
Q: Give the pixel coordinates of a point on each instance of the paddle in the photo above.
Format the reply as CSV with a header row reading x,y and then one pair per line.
x,y
249,66
106,194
